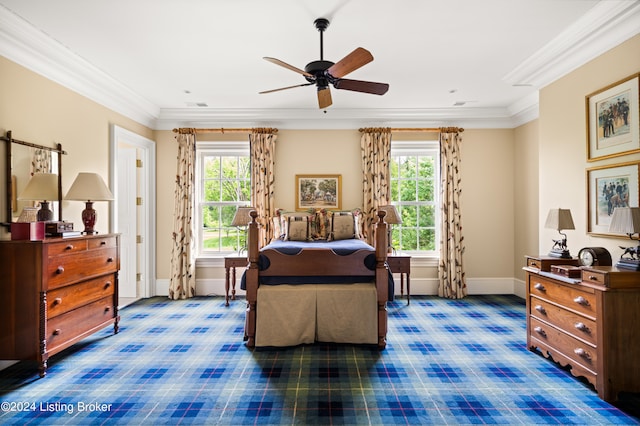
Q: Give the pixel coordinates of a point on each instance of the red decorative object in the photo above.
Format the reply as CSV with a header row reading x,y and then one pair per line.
x,y
89,216
27,231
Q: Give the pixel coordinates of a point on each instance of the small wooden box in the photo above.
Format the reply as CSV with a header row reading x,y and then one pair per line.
x,y
567,271
27,231
543,263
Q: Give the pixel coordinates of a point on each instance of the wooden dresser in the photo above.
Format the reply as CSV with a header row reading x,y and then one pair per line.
x,y
56,292
590,323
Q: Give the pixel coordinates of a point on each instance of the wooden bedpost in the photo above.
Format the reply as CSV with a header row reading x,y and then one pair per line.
x,y
382,278
252,281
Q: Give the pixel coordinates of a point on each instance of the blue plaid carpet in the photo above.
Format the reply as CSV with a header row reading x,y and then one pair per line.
x,y
184,362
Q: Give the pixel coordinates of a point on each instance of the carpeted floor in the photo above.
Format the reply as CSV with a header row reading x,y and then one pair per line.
x,y
184,362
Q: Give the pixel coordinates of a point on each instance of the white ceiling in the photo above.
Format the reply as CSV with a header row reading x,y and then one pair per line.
x,y
154,60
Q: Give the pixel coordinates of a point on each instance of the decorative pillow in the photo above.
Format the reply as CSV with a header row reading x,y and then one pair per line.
x,y
320,225
277,228
342,226
297,228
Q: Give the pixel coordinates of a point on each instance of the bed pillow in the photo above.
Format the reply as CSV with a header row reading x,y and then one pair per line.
x,y
320,225
297,228
342,226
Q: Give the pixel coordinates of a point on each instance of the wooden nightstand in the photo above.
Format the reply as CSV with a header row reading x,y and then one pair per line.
x,y
230,264
401,264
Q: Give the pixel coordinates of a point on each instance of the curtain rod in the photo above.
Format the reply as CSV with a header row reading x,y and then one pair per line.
x,y
221,130
32,145
416,129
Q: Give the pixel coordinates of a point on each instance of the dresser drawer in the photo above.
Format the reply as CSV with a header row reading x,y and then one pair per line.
x,y
578,351
66,247
65,299
68,326
106,241
581,327
580,299
65,269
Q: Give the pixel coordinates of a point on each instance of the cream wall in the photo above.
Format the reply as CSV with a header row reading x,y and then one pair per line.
x,y
563,163
40,111
487,199
526,178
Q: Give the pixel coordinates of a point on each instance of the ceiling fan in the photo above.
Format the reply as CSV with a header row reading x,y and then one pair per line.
x,y
323,73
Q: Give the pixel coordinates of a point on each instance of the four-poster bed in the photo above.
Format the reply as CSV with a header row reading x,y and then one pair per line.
x,y
340,296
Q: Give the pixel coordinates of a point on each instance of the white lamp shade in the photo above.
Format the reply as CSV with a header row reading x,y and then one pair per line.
x,y
392,215
89,187
42,186
242,218
559,219
625,220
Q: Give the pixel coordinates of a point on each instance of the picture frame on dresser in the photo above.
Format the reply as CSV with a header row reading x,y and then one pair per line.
x,y
608,187
318,191
612,120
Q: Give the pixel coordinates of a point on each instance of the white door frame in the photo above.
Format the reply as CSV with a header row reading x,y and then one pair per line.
x,y
147,186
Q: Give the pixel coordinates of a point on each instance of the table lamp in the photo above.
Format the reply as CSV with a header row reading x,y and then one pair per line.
x,y
560,219
241,220
89,187
626,220
392,218
42,187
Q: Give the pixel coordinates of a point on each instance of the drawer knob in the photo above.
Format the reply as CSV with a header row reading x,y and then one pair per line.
x,y
539,287
103,243
57,301
60,270
581,301
110,259
582,327
107,284
107,308
69,247
57,332
593,277
540,331
582,353
541,309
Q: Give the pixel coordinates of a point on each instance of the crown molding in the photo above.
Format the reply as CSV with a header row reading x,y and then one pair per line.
x,y
336,118
25,45
603,27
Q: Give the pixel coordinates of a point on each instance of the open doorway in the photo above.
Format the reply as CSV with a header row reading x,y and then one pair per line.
x,y
132,178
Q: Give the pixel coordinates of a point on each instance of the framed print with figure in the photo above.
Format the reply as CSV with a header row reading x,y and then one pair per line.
x,y
609,187
612,120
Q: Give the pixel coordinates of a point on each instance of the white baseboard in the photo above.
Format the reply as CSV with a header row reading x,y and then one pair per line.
x,y
419,286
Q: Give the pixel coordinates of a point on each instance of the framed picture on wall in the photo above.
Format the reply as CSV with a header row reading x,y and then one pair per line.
x,y
612,117
318,191
609,187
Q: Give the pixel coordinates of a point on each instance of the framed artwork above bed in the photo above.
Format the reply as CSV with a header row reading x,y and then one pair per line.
x,y
318,191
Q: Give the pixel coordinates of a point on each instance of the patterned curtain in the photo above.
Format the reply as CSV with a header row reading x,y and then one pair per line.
x,y
40,161
183,265
263,149
450,269
375,146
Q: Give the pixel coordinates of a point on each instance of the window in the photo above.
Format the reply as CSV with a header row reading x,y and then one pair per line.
x,y
223,183
415,189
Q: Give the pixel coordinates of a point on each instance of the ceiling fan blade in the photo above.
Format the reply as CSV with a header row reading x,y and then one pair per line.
x,y
324,98
351,62
287,66
285,88
362,86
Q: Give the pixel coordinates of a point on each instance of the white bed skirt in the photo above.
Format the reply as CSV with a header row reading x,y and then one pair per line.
x,y
289,315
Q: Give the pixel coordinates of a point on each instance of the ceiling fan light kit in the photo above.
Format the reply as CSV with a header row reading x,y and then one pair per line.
x,y
324,74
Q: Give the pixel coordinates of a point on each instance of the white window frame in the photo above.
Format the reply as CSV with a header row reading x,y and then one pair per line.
x,y
423,148
203,149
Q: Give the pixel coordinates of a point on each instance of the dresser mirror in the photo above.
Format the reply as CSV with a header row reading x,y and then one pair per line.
x,y
23,158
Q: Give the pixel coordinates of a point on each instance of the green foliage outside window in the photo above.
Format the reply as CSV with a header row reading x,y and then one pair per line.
x,y
226,185
413,192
